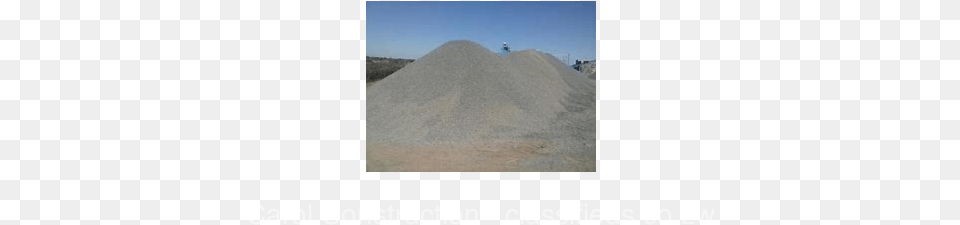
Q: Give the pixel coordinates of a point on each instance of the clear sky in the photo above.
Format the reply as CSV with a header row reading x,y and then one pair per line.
x,y
411,29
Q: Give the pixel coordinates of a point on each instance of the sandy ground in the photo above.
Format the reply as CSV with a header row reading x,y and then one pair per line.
x,y
458,158
568,146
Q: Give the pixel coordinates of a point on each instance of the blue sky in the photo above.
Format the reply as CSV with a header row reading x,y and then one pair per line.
x,y
412,29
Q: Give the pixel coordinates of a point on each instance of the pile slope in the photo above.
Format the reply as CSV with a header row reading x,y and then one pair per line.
x,y
463,108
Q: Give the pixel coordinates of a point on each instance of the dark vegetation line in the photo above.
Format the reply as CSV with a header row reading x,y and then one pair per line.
x,y
381,67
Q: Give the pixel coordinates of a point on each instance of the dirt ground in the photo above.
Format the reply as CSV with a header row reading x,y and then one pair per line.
x,y
515,156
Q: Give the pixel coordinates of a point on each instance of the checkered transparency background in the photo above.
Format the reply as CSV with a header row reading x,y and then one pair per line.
x,y
713,111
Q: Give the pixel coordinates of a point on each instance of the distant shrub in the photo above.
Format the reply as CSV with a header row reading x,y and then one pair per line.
x,y
380,67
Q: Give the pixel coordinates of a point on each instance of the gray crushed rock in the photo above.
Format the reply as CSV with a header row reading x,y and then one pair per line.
x,y
462,93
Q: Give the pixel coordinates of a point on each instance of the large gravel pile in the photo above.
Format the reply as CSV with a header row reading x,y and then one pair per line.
x,y
462,94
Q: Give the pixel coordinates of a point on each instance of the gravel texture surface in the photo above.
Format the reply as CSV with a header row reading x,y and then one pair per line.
x,y
463,108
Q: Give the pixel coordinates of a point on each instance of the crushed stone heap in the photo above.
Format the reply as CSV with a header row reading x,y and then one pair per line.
x,y
461,94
